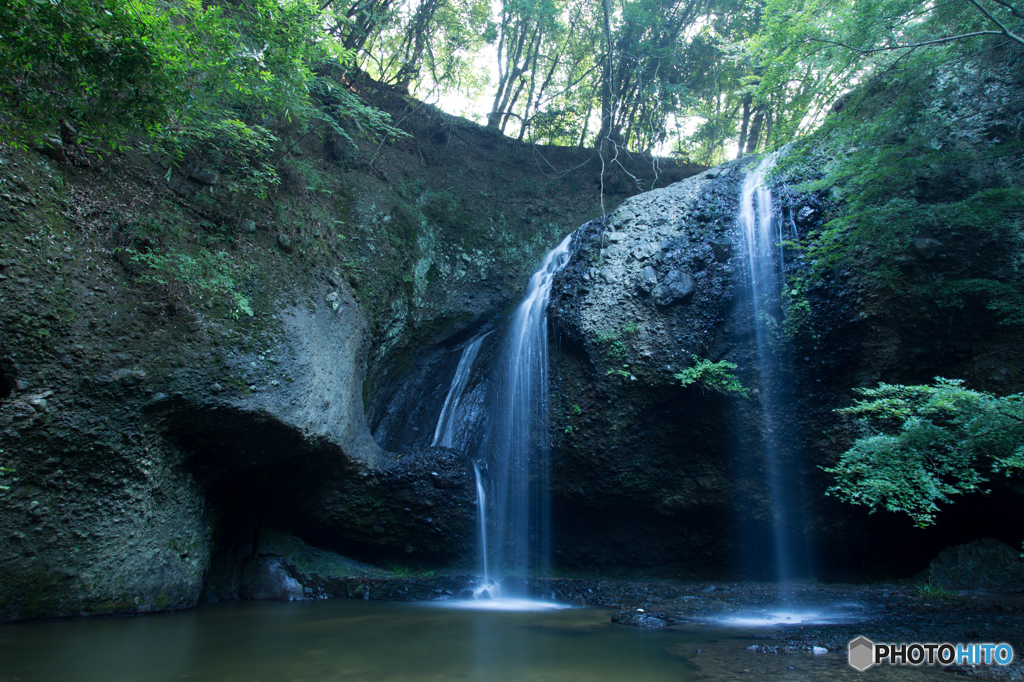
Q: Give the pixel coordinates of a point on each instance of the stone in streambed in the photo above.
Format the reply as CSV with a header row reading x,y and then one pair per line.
x,y
982,563
640,619
269,578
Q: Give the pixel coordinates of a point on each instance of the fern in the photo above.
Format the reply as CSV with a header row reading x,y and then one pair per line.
x,y
716,376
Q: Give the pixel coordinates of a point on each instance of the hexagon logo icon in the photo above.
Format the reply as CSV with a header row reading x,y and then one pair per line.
x,y
862,653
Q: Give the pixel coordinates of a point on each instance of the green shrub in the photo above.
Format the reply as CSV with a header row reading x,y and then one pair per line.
x,y
930,590
716,376
610,339
239,153
183,75
4,470
91,61
890,169
208,275
924,444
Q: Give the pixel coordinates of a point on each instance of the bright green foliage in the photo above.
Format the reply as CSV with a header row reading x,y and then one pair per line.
x,y
206,275
626,74
812,51
876,160
724,81
85,60
889,227
797,317
717,376
219,92
236,68
4,471
645,77
1005,299
412,43
197,78
924,444
931,590
241,153
611,338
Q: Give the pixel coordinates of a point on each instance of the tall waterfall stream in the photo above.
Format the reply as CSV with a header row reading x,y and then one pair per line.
x,y
510,451
763,240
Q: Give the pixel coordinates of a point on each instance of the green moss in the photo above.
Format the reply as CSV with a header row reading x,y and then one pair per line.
x,y
112,606
37,594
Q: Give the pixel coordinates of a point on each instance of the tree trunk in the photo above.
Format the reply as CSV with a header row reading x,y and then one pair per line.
x,y
606,80
507,78
415,39
744,125
755,129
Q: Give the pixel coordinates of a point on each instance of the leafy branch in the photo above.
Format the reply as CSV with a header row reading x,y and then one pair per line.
x,y
716,376
925,444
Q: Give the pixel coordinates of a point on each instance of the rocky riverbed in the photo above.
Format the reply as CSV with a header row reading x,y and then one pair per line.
x,y
972,593
795,620
821,619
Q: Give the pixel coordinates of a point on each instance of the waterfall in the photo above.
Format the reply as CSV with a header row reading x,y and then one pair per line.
x,y
481,513
516,442
507,441
452,425
763,239
447,431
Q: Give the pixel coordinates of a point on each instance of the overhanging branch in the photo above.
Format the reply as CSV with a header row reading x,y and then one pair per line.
x,y
1002,28
937,41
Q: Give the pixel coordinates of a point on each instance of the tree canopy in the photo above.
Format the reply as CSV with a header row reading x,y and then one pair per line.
x,y
699,77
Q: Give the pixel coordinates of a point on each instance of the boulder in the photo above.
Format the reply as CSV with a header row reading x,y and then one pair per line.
x,y
677,286
285,242
982,563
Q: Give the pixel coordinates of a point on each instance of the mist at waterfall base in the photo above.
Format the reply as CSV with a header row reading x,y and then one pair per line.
x,y
784,552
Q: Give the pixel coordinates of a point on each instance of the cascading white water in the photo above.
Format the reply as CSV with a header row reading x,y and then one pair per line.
x,y
449,433
516,441
447,430
481,513
762,235
755,220
510,456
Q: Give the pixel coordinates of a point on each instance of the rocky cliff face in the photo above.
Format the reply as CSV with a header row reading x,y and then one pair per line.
x,y
134,442
651,474
153,434
149,423
648,473
654,475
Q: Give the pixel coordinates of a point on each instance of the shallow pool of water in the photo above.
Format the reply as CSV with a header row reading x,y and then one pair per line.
x,y
367,640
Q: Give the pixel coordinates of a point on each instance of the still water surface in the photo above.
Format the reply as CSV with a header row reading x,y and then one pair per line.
x,y
359,640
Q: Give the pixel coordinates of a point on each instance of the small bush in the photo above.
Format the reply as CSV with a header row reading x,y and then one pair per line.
x,y
930,590
716,376
924,444
206,275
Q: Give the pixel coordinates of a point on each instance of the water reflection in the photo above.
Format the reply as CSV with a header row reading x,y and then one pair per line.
x,y
340,640
375,641
501,604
